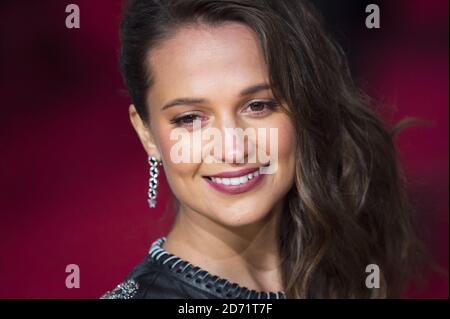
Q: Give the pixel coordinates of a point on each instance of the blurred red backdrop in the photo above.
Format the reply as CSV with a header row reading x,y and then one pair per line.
x,y
74,175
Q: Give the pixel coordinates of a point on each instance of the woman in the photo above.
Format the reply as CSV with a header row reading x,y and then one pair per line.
x,y
332,203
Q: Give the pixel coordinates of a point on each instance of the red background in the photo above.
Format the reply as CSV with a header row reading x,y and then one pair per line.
x,y
73,175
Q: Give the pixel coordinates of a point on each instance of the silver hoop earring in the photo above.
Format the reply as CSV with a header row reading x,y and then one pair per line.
x,y
153,181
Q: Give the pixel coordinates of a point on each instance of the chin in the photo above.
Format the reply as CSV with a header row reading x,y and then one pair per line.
x,y
241,217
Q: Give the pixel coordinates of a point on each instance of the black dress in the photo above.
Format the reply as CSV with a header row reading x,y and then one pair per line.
x,y
162,275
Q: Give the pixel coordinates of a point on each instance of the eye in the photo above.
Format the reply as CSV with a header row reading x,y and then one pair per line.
x,y
260,107
187,119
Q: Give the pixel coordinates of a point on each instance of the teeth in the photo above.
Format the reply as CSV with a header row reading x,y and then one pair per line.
x,y
235,180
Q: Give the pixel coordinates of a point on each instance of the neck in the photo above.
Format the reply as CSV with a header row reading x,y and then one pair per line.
x,y
247,255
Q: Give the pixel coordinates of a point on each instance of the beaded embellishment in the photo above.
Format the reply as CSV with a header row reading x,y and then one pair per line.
x,y
124,290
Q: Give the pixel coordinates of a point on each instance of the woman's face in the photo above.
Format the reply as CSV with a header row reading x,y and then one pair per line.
x,y
214,65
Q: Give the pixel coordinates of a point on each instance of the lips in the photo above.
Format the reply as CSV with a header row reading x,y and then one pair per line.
x,y
237,173
235,182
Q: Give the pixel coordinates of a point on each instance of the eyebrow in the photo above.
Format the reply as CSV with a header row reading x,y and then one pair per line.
x,y
187,100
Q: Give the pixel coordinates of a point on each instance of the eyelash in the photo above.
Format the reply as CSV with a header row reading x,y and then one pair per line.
x,y
270,105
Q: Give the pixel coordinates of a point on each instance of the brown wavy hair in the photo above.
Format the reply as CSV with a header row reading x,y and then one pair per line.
x,y
349,206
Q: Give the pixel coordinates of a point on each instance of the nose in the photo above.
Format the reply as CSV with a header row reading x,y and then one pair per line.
x,y
234,141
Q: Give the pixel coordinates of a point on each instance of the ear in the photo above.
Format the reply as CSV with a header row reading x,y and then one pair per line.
x,y
144,133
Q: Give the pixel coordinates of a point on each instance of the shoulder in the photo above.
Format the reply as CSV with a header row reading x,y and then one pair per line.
x,y
125,290
162,275
150,281
136,284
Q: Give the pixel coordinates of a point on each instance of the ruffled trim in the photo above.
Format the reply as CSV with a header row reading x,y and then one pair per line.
x,y
192,274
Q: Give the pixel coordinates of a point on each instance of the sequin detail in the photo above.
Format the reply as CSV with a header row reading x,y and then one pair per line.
x,y
124,290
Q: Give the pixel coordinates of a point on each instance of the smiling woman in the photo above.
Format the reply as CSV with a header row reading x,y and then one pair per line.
x,y
336,202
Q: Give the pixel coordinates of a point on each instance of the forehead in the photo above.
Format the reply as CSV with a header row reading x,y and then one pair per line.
x,y
204,60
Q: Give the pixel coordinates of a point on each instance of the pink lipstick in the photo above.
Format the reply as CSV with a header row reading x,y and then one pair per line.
x,y
235,182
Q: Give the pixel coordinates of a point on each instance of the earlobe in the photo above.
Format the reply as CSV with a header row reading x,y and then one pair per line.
x,y
144,133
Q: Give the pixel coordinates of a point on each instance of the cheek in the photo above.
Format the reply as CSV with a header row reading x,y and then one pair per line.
x,y
282,147
175,172
162,134
287,139
287,146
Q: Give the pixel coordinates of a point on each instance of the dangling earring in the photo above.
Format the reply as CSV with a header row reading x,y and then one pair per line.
x,y
153,181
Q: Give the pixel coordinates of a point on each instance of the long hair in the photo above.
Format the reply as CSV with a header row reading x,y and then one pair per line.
x,y
348,207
